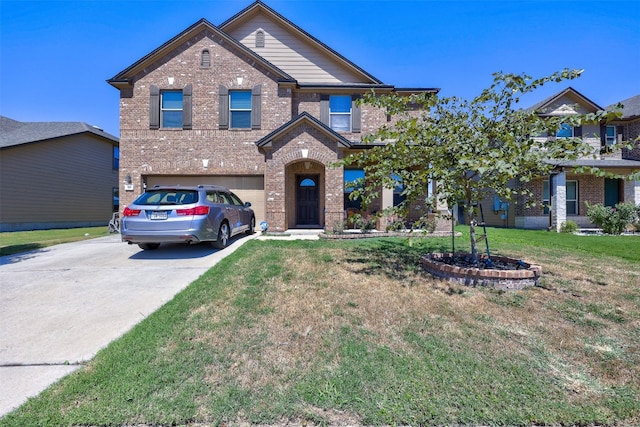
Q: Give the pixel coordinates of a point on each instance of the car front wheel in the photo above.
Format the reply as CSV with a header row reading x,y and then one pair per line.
x,y
223,236
149,246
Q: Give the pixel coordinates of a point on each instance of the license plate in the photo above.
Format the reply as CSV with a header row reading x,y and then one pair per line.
x,y
158,215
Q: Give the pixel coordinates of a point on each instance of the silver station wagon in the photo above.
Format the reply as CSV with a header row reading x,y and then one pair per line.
x,y
203,213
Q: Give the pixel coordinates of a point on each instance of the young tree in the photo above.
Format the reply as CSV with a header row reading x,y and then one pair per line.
x,y
471,149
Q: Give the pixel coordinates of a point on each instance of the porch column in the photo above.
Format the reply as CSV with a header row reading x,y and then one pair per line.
x,y
558,187
632,191
386,202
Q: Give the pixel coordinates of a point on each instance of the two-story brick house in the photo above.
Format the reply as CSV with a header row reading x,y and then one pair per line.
x,y
255,104
565,194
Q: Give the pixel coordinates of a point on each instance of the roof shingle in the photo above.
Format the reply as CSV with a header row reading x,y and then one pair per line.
x,y
13,132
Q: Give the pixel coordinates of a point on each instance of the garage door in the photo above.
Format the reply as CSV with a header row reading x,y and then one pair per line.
x,y
248,188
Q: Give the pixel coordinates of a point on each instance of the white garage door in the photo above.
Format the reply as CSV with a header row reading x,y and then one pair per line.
x,y
248,188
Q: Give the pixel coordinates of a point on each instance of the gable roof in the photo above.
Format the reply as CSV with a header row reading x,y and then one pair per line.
x,y
124,77
630,109
260,7
585,102
297,121
13,132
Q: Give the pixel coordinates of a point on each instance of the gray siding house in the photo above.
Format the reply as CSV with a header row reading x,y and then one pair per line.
x,y
56,175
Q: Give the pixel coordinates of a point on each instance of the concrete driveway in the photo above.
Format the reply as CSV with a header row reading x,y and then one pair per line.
x,y
60,305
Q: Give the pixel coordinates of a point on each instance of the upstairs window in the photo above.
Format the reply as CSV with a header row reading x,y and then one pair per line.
x,y
116,157
205,59
340,113
610,135
171,109
565,131
240,109
568,131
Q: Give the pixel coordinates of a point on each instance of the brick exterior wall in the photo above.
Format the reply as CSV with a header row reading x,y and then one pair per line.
x,y
205,150
181,152
632,133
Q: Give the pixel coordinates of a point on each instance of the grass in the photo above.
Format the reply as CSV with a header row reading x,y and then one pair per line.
x,y
23,241
353,332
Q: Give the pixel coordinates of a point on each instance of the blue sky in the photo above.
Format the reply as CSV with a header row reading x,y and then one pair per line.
x,y
55,55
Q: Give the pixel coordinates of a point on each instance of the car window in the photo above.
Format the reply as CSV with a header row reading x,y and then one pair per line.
x,y
213,197
224,198
167,197
236,200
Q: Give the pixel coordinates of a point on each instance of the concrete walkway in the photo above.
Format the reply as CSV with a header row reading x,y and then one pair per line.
x,y
60,305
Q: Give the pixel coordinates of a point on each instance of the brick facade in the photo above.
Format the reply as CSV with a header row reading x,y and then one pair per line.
x,y
203,151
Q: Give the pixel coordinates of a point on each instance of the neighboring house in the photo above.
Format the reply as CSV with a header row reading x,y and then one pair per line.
x,y
255,104
564,195
56,175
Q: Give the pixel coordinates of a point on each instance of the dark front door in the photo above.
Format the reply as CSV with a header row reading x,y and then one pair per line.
x,y
307,200
611,192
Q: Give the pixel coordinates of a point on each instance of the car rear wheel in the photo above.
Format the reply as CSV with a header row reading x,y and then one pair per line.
x,y
149,246
223,236
252,226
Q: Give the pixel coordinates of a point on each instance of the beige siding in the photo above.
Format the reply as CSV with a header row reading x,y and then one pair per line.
x,y
567,104
58,183
248,188
295,56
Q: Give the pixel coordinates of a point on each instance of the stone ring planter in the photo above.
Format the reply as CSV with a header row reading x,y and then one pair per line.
x,y
507,274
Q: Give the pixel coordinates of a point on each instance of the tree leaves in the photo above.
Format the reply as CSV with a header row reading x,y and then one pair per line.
x,y
472,149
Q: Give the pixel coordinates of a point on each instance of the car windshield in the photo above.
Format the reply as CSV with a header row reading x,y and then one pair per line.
x,y
167,197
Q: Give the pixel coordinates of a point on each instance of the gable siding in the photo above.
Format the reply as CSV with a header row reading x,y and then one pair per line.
x,y
556,107
68,181
296,57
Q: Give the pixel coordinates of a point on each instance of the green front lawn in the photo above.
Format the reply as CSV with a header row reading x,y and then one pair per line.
x,y
354,332
23,241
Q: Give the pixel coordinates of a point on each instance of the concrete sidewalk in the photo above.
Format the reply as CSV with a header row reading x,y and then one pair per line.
x,y
61,304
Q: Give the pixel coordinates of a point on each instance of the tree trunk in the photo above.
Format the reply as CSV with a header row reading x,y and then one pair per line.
x,y
474,245
472,232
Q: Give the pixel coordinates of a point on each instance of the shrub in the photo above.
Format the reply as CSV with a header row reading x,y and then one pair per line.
x,y
613,220
339,226
396,225
366,225
569,227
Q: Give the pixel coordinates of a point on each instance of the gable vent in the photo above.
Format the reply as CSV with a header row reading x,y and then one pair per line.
x,y
205,59
259,38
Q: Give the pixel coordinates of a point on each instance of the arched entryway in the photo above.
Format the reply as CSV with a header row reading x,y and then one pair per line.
x,y
305,194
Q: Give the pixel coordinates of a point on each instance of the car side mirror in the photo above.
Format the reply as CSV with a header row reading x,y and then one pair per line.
x,y
247,204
